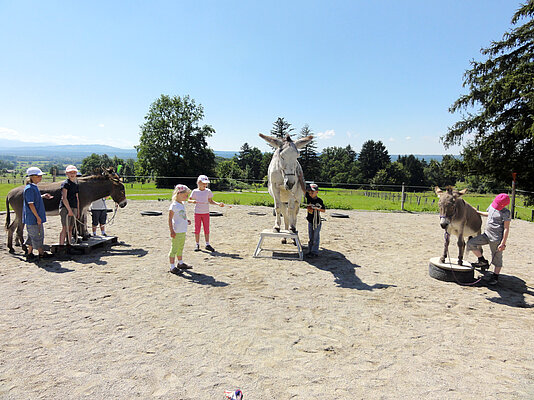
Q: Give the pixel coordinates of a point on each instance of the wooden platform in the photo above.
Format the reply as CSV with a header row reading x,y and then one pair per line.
x,y
452,265
85,247
280,253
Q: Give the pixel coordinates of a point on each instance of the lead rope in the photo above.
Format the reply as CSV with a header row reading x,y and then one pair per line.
x,y
316,219
110,222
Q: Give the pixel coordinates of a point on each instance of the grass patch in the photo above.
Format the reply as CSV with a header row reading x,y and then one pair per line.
x,y
342,199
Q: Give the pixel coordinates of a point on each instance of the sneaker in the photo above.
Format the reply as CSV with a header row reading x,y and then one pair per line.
x,y
481,264
104,234
209,248
197,248
184,266
175,271
493,279
30,257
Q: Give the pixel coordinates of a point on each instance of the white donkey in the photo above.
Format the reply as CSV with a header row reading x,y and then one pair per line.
x,y
286,179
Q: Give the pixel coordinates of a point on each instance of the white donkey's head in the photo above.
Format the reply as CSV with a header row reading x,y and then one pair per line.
x,y
286,154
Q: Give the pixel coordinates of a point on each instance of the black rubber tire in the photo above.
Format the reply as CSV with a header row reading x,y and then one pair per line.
x,y
151,213
447,275
339,215
215,214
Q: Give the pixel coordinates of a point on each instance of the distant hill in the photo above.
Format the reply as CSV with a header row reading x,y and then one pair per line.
x,y
66,150
23,149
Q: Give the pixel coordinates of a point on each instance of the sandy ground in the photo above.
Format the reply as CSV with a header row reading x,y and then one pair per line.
x,y
362,321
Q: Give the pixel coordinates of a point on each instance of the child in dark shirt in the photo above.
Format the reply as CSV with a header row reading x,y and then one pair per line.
x,y
69,205
315,206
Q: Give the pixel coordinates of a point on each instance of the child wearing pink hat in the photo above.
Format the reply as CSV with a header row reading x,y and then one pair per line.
x,y
495,234
202,197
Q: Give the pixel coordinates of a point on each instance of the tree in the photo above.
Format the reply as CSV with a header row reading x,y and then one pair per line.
x,y
338,165
309,160
251,157
445,173
173,143
393,174
499,119
229,169
415,169
94,164
53,169
373,157
265,161
6,165
281,128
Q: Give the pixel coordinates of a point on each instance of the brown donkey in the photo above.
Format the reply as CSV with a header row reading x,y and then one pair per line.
x,y
91,188
457,217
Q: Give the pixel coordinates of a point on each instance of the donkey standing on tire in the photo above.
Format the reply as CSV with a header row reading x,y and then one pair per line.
x,y
457,217
286,179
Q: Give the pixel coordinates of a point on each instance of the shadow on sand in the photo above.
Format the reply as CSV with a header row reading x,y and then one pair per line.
x,y
94,257
219,254
343,270
201,279
511,291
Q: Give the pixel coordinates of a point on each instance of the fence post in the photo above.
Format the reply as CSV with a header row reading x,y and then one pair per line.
x,y
402,200
513,194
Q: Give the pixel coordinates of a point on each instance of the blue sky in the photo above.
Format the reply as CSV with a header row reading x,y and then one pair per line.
x,y
74,72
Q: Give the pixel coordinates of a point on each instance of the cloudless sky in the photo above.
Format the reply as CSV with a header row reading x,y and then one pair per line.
x,y
84,72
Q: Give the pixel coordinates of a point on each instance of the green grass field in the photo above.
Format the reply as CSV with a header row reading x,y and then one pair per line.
x,y
342,199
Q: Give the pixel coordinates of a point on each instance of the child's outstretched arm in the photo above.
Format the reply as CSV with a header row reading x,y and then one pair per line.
x,y
211,201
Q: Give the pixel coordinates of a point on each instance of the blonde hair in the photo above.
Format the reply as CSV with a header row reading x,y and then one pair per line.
x,y
179,189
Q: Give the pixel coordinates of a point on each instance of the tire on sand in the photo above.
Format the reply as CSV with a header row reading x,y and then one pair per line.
x,y
450,272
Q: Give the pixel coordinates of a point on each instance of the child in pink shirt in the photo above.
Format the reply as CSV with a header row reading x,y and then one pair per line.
x,y
202,197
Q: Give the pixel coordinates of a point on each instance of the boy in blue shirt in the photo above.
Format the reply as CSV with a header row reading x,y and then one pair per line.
x,y
33,213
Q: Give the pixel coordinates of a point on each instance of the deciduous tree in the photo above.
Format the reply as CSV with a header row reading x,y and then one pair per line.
x,y
498,123
173,143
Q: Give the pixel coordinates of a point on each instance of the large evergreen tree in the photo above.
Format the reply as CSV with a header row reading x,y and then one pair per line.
x,y
498,123
373,157
281,128
415,170
173,143
309,160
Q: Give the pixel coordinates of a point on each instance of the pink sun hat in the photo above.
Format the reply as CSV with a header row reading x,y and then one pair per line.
x,y
500,201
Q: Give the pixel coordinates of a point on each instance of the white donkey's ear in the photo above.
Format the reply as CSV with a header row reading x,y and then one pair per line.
x,y
303,142
274,142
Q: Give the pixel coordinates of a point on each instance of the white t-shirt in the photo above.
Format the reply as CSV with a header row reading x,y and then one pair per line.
x,y
202,197
99,204
179,218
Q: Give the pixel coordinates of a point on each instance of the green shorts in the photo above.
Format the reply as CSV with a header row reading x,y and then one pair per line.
x,y
177,246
